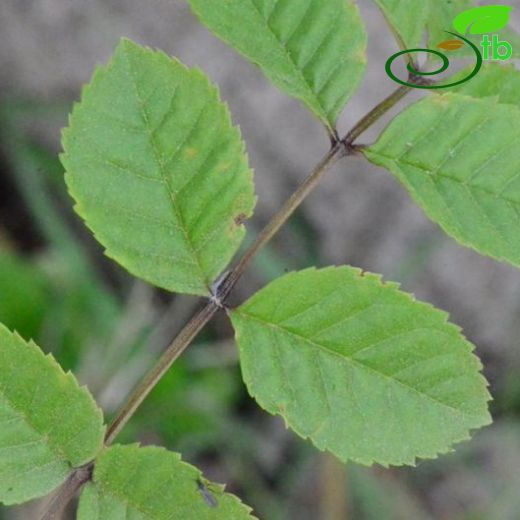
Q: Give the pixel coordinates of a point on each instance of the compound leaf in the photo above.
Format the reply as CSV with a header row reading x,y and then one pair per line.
x,y
154,484
458,158
48,423
313,50
158,171
359,367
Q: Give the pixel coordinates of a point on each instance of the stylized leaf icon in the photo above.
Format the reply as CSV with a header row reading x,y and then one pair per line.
x,y
450,45
480,20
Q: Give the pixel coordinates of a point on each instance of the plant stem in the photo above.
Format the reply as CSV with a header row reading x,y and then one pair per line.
x,y
337,151
67,491
147,384
374,115
192,328
382,108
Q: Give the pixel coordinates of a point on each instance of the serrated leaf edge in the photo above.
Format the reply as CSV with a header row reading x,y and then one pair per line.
x,y
383,161
321,114
377,278
178,458
79,208
71,379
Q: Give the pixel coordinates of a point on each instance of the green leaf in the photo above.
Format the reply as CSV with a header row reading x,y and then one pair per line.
x,y
406,19
313,50
154,484
48,424
441,16
481,20
158,171
410,19
359,367
493,80
458,158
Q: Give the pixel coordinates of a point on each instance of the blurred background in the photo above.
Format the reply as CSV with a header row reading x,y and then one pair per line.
x,y
58,288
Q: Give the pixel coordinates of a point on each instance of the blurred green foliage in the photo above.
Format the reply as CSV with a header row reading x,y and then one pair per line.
x,y
25,294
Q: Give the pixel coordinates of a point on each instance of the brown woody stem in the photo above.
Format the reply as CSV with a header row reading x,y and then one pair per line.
x,y
67,491
147,384
337,151
192,328
374,115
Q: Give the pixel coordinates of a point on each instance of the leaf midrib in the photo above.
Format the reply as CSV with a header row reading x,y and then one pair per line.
x,y
171,195
432,174
22,416
299,73
356,363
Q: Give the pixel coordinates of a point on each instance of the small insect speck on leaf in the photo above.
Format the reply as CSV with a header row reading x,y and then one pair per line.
x,y
206,494
240,219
